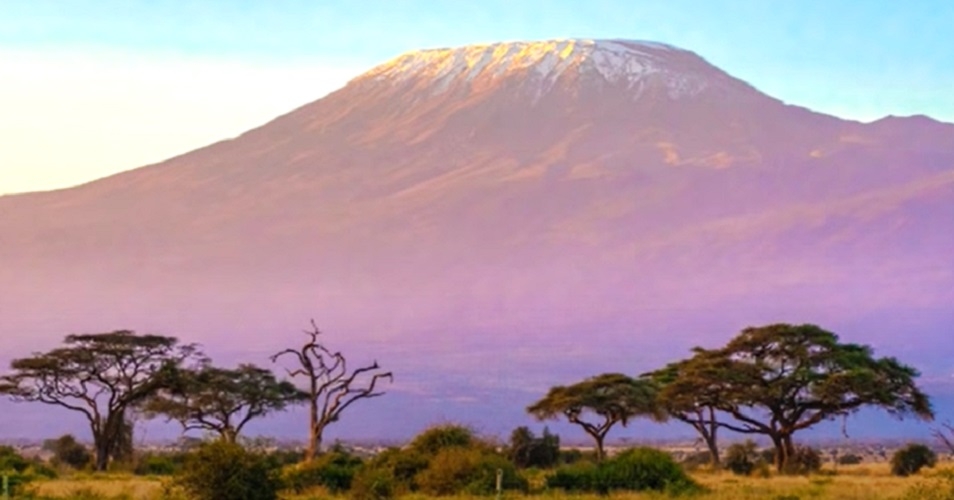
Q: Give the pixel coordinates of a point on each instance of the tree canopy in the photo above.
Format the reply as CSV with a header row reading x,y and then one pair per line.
x,y
685,395
779,379
223,400
611,397
100,376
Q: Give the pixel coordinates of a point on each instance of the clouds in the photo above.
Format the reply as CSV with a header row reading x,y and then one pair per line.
x,y
72,116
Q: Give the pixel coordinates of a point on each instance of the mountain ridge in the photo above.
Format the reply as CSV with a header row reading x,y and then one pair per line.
x,y
480,222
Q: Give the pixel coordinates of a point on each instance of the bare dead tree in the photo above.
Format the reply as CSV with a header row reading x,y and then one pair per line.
x,y
330,386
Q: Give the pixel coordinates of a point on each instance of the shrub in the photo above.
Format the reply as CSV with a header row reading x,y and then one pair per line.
x,y
635,470
911,459
227,471
468,470
437,438
333,470
742,458
373,483
696,460
68,451
850,459
401,466
159,464
804,460
527,450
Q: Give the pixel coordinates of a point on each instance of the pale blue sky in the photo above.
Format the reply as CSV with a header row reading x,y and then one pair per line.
x,y
94,87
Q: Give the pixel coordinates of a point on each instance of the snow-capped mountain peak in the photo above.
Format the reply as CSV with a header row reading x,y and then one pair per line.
x,y
617,62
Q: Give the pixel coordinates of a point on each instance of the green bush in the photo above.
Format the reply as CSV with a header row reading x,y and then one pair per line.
x,y
637,469
21,471
333,470
440,437
468,470
850,459
373,483
742,458
401,466
804,460
527,450
159,464
68,451
227,471
911,459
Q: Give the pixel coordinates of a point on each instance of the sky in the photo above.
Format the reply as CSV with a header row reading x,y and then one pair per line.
x,y
89,88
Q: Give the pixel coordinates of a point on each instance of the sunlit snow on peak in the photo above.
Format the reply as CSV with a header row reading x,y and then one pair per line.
x,y
624,62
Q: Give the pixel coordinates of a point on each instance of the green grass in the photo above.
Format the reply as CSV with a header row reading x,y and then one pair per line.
x,y
862,482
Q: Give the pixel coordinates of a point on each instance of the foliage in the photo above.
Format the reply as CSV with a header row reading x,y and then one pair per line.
x,y
612,397
638,469
911,459
159,464
68,451
468,470
373,483
20,470
334,470
696,407
440,437
222,400
805,460
527,450
850,459
102,376
779,379
331,386
742,458
221,470
11,460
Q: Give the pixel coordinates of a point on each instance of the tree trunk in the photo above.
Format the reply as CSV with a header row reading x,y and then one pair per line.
x,y
779,452
713,450
102,449
314,433
599,448
789,448
230,435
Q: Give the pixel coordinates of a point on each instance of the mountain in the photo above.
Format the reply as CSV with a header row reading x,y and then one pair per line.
x,y
491,220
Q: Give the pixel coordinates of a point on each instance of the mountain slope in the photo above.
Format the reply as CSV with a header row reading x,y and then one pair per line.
x,y
490,198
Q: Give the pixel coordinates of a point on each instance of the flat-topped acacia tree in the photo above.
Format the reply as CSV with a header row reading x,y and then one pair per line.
x,y
779,379
611,398
101,376
222,400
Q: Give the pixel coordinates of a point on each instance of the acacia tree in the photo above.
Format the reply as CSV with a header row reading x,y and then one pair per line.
x,y
101,376
684,396
612,397
331,387
222,400
779,379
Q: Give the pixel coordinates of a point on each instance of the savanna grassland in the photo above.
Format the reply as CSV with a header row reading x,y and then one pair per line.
x,y
858,482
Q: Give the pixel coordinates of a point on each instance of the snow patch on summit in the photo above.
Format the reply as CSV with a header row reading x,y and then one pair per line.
x,y
630,63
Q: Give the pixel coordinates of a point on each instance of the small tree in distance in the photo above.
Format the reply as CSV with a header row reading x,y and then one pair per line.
x,y
612,397
331,387
222,400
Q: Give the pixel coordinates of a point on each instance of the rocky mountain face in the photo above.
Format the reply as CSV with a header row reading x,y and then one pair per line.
x,y
527,212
